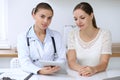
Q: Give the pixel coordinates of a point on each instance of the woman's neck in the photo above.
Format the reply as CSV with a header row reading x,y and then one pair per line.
x,y
39,31
88,34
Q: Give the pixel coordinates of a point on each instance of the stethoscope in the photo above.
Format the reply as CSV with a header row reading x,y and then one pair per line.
x,y
53,41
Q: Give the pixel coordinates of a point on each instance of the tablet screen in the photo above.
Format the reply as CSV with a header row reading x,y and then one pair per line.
x,y
113,78
62,65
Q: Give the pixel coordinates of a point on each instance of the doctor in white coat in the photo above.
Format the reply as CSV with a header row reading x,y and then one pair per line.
x,y
40,43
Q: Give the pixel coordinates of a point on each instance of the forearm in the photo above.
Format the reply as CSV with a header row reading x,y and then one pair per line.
x,y
71,56
100,67
25,62
75,66
103,63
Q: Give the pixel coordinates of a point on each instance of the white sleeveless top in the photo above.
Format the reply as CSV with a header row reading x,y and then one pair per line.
x,y
88,53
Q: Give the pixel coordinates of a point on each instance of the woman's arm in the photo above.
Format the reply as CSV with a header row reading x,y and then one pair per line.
x,y
23,55
71,57
104,59
106,47
90,70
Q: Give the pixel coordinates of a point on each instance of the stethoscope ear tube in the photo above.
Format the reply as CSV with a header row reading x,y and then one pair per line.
x,y
28,44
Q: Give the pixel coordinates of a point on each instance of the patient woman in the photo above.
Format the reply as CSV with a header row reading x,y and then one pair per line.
x,y
89,47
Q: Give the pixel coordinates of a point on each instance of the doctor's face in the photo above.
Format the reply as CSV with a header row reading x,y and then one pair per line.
x,y
43,18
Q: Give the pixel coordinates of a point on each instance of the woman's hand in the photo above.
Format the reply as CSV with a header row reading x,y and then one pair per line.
x,y
49,70
87,71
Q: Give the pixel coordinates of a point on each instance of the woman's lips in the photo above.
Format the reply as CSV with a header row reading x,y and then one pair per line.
x,y
81,26
44,25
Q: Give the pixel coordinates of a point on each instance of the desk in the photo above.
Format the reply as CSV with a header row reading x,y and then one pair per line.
x,y
18,74
13,53
8,53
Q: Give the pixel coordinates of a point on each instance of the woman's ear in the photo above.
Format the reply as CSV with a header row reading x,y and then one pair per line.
x,y
33,15
92,15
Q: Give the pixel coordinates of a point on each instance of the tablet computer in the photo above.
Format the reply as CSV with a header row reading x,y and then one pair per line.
x,y
113,78
62,65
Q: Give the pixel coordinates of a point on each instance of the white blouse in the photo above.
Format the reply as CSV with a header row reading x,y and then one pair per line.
x,y
88,53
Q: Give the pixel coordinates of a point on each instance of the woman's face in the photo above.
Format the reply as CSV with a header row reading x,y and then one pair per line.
x,y
82,19
43,18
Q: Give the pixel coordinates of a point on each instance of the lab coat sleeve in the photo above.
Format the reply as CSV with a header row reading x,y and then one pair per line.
x,y
24,55
60,47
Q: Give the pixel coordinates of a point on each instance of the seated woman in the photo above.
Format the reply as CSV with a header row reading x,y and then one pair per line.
x,y
89,47
40,43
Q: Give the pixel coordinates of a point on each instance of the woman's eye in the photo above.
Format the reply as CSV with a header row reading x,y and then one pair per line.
x,y
49,18
82,17
42,16
75,19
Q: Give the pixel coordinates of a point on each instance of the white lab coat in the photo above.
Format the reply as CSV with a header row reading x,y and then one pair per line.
x,y
29,56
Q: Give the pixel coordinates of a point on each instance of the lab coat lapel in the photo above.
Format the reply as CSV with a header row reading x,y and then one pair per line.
x,y
39,48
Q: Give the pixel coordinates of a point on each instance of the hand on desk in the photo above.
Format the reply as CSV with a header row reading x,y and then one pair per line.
x,y
87,71
49,70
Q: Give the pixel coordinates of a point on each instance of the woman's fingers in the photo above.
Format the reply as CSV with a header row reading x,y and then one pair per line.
x,y
86,71
50,70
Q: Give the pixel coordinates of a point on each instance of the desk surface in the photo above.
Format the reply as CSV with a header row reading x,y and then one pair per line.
x,y
8,53
13,53
18,74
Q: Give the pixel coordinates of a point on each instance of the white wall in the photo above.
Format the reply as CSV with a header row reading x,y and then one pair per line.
x,y
107,15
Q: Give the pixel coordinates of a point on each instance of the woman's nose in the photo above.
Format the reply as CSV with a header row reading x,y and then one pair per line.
x,y
78,21
45,20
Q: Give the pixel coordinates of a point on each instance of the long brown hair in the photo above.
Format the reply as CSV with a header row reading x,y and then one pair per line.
x,y
88,9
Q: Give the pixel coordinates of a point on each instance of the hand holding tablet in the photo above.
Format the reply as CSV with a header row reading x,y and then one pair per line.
x,y
53,64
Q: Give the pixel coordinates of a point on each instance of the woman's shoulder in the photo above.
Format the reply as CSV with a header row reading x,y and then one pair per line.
x,y
21,35
105,31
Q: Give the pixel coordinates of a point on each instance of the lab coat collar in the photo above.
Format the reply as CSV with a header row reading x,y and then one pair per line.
x,y
32,36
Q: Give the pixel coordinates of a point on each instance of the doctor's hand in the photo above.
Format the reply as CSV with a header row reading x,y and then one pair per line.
x,y
49,70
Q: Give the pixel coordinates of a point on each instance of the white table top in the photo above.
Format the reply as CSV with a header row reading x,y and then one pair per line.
x,y
18,74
